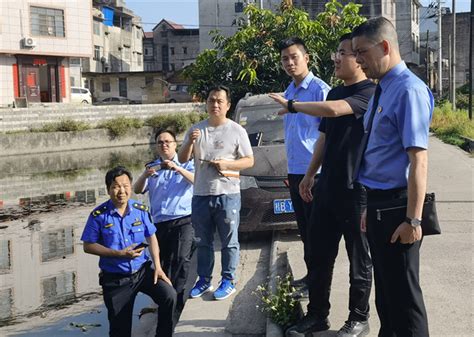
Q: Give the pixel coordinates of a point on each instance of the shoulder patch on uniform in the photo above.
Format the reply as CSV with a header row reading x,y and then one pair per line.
x,y
98,211
140,206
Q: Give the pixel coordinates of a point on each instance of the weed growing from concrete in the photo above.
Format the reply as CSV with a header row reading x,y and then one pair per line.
x,y
280,303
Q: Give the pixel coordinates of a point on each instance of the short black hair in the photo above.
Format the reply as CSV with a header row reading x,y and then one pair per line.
x,y
292,41
114,173
160,131
377,29
219,87
344,37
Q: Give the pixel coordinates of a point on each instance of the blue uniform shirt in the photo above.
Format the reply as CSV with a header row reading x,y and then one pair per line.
x,y
401,121
301,130
170,193
108,228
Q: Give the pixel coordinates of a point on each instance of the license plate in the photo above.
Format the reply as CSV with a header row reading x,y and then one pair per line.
x,y
281,206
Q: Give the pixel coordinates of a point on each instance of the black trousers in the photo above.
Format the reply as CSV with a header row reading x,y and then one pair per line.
x,y
398,294
176,239
329,222
302,212
119,293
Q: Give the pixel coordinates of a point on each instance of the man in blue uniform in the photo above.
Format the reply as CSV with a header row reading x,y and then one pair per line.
x,y
113,231
301,131
393,165
170,187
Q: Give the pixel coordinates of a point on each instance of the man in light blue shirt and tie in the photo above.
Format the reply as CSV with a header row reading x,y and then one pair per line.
x,y
301,130
393,165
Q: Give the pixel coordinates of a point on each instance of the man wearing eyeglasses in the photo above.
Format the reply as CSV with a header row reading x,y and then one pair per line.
x,y
336,209
301,130
170,188
393,165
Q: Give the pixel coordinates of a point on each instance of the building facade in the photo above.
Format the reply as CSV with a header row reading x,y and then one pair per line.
x,y
170,46
38,40
408,30
117,41
224,15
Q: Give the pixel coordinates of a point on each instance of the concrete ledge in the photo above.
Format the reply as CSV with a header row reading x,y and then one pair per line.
x,y
44,142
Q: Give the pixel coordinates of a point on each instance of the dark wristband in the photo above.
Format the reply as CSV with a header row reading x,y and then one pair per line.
x,y
291,108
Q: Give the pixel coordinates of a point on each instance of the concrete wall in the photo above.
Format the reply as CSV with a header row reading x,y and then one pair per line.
x,y
44,142
24,119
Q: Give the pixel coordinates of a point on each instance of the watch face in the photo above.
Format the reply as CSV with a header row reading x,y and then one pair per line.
x,y
415,222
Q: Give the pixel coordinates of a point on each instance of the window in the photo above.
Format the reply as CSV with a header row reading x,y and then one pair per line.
x,y
172,50
96,27
96,53
413,42
47,21
126,53
149,80
185,50
105,86
239,7
172,66
72,81
164,33
74,61
139,59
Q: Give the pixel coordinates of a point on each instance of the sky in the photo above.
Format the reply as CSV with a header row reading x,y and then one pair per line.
x,y
186,12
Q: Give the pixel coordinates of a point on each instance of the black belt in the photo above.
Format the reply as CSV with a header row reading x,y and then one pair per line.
x,y
116,276
393,193
174,222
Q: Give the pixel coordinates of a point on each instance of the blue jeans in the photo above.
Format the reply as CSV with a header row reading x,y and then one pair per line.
x,y
222,212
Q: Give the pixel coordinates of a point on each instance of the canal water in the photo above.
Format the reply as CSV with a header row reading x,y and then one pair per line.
x,y
48,285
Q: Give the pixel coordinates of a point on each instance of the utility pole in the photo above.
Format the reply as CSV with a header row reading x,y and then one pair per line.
x,y
453,58
427,57
440,54
471,46
260,4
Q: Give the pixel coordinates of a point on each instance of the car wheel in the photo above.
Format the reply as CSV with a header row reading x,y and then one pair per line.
x,y
85,102
172,101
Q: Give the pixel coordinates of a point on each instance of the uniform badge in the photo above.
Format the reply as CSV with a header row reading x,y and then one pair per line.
x,y
379,109
137,222
109,225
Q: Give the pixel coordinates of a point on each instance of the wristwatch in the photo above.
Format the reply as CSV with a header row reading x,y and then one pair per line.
x,y
413,222
291,107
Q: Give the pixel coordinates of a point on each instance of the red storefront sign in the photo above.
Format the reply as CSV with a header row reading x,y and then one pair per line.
x,y
39,62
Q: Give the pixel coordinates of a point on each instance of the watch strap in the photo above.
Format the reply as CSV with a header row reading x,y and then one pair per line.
x,y
291,108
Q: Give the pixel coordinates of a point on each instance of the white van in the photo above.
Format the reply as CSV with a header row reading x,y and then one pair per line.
x,y
81,95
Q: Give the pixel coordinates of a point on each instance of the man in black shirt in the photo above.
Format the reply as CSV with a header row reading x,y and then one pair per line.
x,y
336,207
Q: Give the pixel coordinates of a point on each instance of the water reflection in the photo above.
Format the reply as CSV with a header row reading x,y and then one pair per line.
x,y
44,203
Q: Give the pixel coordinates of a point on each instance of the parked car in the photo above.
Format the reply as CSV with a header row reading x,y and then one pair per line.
x,y
117,100
178,93
266,203
81,95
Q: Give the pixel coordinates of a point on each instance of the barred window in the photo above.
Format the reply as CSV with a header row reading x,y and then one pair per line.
x,y
47,21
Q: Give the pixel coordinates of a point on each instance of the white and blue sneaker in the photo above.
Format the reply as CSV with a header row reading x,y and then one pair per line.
x,y
225,289
201,287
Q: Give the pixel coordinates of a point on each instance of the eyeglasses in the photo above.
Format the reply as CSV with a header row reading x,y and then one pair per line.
x,y
340,54
163,142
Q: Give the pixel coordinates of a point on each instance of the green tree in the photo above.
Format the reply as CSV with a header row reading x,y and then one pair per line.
x,y
249,60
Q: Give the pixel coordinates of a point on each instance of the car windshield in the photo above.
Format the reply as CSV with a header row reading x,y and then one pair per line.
x,y
263,119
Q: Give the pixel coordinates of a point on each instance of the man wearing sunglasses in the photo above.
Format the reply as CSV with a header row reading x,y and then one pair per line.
x,y
336,209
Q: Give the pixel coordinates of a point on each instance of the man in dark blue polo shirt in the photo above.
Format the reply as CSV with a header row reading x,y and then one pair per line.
x,y
393,165
336,210
113,231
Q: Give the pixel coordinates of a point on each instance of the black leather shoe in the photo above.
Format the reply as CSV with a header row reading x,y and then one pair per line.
x,y
307,324
354,329
302,282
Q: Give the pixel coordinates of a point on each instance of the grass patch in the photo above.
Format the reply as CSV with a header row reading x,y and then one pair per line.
x,y
120,126
178,123
64,125
451,126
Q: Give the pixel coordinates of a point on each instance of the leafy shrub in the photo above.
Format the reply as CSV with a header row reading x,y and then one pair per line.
x,y
64,125
120,126
178,123
450,126
281,305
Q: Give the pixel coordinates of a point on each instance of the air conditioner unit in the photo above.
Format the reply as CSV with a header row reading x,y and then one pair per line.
x,y
29,42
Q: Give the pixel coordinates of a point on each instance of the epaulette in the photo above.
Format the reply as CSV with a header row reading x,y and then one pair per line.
x,y
99,210
141,207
